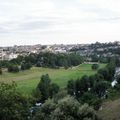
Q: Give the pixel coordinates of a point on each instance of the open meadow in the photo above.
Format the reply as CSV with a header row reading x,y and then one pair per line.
x,y
27,80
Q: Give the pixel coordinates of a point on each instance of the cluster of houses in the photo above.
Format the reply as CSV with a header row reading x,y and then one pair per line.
x,y
7,56
8,53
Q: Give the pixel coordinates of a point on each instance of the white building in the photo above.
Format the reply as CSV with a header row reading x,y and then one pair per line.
x,y
10,56
13,56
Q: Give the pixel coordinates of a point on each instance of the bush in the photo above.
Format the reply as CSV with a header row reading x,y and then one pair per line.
x,y
13,68
38,64
66,109
0,71
26,66
95,66
91,99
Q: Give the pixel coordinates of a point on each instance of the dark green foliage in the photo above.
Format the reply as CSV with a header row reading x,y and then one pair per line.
x,y
117,86
100,88
95,66
71,87
60,95
43,60
104,72
93,88
43,86
46,59
46,89
58,60
118,79
109,71
13,68
26,66
37,94
79,86
30,58
93,79
54,88
66,109
91,99
13,106
0,71
38,64
84,84
95,84
117,61
95,58
45,111
103,59
4,64
14,62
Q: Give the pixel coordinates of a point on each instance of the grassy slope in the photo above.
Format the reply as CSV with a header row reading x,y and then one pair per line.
x,y
111,110
28,80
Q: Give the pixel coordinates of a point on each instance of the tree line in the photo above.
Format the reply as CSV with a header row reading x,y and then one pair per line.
x,y
47,59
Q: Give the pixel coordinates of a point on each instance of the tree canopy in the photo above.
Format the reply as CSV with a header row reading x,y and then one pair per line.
x,y
65,109
13,105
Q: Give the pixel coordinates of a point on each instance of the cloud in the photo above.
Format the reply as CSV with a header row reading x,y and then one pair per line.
x,y
59,21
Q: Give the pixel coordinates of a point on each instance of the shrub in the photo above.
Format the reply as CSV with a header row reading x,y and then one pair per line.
x,y
66,109
0,71
26,66
95,66
13,68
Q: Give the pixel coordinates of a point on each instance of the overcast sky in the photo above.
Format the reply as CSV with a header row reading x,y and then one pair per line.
x,y
58,21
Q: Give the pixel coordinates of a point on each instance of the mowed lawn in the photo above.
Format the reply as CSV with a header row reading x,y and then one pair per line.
x,y
28,80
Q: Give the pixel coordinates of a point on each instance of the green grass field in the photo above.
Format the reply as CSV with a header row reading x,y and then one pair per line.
x,y
28,80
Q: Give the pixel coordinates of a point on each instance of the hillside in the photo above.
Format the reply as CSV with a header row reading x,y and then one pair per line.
x,y
110,110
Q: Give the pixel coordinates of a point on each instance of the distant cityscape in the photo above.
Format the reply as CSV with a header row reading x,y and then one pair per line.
x,y
101,49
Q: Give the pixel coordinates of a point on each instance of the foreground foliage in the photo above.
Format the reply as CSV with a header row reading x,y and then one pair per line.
x,y
65,109
13,106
